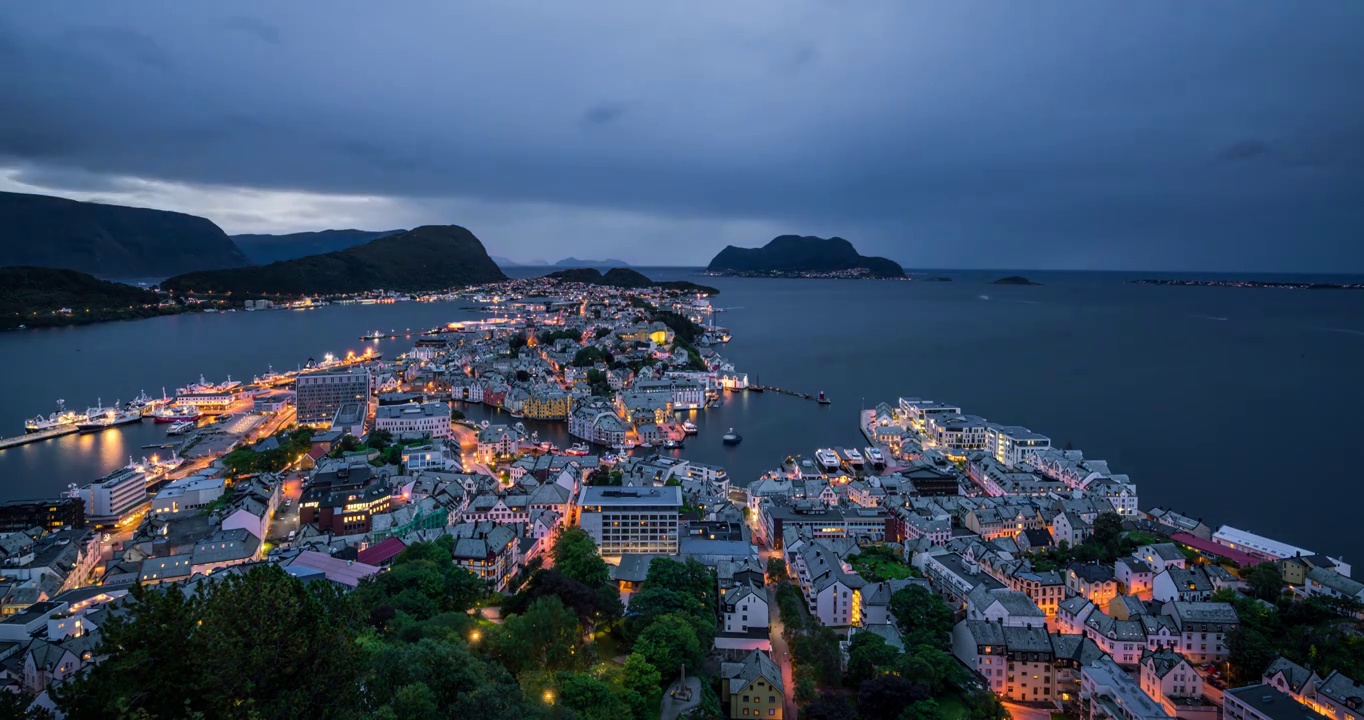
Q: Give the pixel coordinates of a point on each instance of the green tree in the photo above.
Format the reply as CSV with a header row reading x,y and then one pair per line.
x,y
640,675
867,654
422,581
923,617
829,707
884,697
668,642
1108,531
587,357
923,710
544,637
985,705
591,698
1265,581
776,570
817,653
575,555
407,680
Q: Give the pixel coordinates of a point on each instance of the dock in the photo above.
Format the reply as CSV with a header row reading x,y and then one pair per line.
x,y
26,438
783,391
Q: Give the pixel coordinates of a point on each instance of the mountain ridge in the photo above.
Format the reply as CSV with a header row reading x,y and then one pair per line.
x,y
797,255
110,240
430,257
264,248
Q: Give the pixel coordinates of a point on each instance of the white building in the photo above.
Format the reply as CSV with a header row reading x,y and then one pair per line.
x,y
115,494
636,520
431,418
1107,691
189,494
743,609
1010,444
1170,680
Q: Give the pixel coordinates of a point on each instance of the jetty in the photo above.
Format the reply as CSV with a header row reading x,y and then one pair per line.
x,y
784,391
26,438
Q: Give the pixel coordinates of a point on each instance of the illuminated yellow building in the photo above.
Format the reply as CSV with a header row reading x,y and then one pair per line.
x,y
553,405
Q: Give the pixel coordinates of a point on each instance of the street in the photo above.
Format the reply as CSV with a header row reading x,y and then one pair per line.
x,y
781,654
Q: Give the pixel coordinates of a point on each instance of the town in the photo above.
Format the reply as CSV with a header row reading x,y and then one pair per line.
x,y
952,567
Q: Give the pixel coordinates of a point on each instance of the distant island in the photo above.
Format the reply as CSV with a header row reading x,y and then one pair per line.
x,y
1014,280
1250,284
264,249
572,262
505,262
626,278
431,257
110,240
34,297
795,256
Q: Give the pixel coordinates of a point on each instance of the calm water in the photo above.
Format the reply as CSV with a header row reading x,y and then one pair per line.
x,y
1237,406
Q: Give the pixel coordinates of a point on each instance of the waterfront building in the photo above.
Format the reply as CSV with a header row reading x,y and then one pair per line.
x,y
432,419
52,514
1011,444
548,404
113,496
496,441
916,411
636,520
319,395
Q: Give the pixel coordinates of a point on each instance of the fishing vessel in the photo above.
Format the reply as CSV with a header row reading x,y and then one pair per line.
x,y
270,377
731,437
103,418
578,450
141,401
672,444
61,418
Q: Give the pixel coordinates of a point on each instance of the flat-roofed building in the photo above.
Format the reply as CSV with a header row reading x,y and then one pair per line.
x,y
319,395
631,519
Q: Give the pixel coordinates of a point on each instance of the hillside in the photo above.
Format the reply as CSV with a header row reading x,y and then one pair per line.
x,y
432,257
110,240
577,263
626,278
35,297
263,249
797,256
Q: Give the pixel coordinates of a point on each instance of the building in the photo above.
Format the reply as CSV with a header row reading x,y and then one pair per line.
x,y
487,550
188,494
1263,702
343,498
639,520
1172,681
1107,691
52,514
548,405
110,498
431,419
319,395
272,402
743,609
752,688
496,441
1017,662
1321,581
1096,583
350,419
1203,628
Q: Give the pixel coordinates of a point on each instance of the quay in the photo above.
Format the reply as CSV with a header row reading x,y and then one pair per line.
x,y
26,438
783,391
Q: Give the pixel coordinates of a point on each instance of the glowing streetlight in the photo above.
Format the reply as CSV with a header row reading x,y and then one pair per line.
x,y
549,697
475,636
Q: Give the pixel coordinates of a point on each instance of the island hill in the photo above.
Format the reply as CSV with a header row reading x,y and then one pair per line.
x,y
431,257
1014,280
264,249
626,278
36,297
111,240
795,256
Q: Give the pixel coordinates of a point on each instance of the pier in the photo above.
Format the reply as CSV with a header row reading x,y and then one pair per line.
x,y
783,391
26,438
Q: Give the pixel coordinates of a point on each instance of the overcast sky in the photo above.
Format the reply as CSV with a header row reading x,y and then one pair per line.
x,y
1125,135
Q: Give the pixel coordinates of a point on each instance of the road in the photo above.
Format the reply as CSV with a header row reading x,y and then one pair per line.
x,y
781,654
1028,712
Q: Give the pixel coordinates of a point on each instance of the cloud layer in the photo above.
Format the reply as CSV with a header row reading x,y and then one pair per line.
x,y
1158,135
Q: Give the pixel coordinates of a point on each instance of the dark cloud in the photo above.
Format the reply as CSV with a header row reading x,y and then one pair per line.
x,y
254,27
1149,135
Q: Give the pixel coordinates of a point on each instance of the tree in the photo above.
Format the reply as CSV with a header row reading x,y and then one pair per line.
x,y
575,555
587,357
259,643
868,653
816,652
1108,531
640,675
829,707
923,617
588,604
985,705
379,439
776,569
522,376
1265,580
922,710
544,637
884,697
407,680
668,642
591,698
422,581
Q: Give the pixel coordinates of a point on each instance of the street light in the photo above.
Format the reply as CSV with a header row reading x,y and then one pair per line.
x,y
549,697
475,636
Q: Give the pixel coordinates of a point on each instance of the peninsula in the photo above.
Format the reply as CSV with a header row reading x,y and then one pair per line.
x,y
431,257
1250,284
33,297
1014,280
626,278
794,256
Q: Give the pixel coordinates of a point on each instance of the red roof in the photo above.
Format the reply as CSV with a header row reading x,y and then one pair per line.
x,y
1209,547
382,552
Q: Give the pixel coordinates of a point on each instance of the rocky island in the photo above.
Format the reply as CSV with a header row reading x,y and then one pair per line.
x,y
1014,280
795,256
431,257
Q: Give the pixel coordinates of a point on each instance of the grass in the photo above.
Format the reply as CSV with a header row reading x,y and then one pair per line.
x,y
877,567
609,645
953,707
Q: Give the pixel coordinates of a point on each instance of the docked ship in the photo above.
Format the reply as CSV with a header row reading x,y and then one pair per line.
x,y
102,418
270,377
827,459
180,427
207,397
854,458
875,456
689,428
143,400
176,413
61,418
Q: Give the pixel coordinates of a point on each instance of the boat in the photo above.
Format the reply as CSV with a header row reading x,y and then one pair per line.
x,y
141,401
646,444
853,457
822,400
181,427
757,385
875,456
269,378
672,444
176,413
731,437
166,466
61,418
578,450
103,418
827,459
689,428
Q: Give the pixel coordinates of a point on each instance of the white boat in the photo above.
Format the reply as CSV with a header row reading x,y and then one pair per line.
x,y
689,428
578,449
827,459
61,418
875,456
142,400
731,437
853,457
103,418
181,427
